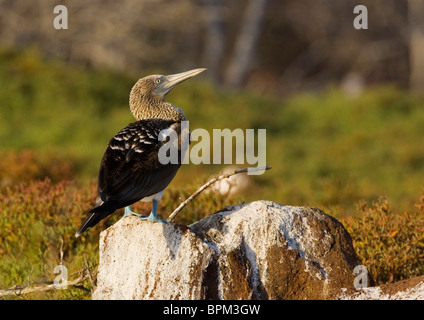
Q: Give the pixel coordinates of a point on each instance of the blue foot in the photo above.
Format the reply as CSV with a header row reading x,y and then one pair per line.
x,y
153,215
129,212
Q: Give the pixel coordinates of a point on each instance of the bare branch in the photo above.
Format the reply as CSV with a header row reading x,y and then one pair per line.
x,y
48,285
208,184
62,242
90,276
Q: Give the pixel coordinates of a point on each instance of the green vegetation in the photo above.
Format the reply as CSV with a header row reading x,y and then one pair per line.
x,y
57,109
327,150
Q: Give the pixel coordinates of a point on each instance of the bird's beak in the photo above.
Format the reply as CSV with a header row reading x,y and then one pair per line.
x,y
172,80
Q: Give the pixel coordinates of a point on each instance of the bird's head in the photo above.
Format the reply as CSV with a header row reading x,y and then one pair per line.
x,y
149,92
157,86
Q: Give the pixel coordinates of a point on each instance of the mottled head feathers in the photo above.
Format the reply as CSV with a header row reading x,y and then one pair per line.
x,y
147,97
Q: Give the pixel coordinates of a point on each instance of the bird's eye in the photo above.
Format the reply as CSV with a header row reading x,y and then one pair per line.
x,y
158,81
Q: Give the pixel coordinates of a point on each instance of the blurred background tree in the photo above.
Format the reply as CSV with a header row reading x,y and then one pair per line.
x,y
416,43
271,46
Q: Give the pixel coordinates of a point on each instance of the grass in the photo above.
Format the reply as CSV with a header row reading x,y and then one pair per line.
x,y
327,150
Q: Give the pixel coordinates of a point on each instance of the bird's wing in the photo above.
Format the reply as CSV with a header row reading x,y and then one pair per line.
x,y
130,169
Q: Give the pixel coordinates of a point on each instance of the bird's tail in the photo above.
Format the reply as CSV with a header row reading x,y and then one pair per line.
x,y
92,219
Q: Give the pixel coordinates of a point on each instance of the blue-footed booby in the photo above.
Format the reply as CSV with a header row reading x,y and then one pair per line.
x,y
130,169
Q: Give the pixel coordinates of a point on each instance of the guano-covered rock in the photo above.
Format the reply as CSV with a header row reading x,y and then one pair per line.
x,y
260,250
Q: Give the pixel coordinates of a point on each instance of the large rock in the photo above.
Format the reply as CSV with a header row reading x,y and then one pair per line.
x,y
261,250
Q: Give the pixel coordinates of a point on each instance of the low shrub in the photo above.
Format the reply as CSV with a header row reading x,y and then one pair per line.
x,y
34,219
26,165
390,244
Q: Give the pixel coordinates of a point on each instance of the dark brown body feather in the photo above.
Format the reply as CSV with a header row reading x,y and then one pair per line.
x,y
130,169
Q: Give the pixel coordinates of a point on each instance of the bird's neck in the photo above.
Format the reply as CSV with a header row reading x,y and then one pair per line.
x,y
153,109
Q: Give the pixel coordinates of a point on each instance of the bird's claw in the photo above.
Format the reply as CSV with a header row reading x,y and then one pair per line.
x,y
129,212
152,218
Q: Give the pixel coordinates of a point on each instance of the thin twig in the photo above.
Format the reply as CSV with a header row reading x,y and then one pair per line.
x,y
90,276
208,184
62,242
24,289
49,285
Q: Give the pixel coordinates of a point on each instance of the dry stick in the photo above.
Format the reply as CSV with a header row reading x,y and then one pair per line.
x,y
208,184
89,274
62,242
48,285
23,289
